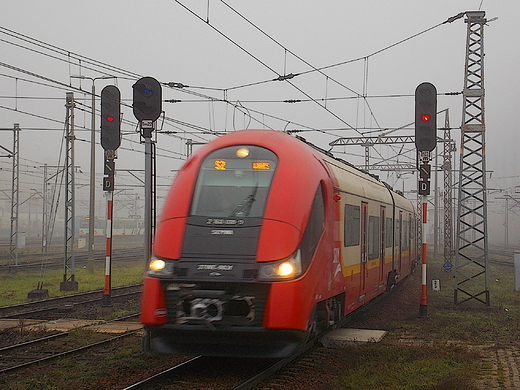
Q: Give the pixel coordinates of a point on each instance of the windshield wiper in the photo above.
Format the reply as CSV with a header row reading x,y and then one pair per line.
x,y
244,207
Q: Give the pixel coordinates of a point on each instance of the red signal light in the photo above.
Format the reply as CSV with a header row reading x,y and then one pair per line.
x,y
110,118
425,118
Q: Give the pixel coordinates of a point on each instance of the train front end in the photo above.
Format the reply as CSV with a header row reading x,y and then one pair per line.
x,y
231,273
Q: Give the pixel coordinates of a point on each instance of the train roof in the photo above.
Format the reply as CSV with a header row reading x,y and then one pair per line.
x,y
351,167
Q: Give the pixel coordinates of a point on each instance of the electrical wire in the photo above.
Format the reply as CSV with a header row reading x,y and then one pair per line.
x,y
96,65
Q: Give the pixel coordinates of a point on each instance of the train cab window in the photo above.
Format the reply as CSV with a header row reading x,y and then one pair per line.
x,y
352,225
314,229
234,182
373,237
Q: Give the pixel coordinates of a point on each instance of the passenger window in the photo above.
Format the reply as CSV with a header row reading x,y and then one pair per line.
x,y
373,238
352,225
389,232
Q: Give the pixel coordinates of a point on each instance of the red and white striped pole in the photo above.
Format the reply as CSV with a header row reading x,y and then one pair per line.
x,y
423,309
426,142
108,186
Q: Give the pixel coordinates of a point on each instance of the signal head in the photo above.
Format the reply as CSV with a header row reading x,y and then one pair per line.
x,y
147,104
110,117
425,117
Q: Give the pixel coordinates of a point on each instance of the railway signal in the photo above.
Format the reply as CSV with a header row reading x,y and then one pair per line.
x,y
110,141
147,103
425,117
110,117
147,106
425,142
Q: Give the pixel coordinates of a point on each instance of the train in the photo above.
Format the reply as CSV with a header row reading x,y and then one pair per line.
x,y
264,242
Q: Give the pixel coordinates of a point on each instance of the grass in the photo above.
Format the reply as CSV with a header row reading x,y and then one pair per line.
x,y
388,366
15,287
448,344
474,321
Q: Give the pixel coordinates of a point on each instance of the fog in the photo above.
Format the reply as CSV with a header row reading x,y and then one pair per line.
x,y
356,66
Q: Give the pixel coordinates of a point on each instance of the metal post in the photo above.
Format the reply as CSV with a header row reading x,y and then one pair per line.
x,y
436,207
92,199
424,191
148,184
448,187
109,157
367,157
423,309
44,210
68,283
506,224
15,196
517,270
189,147
108,252
471,257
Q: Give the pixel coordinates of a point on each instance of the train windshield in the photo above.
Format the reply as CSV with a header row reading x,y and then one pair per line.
x,y
234,182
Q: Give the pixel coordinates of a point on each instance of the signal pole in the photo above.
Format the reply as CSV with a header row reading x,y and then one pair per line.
x,y
425,142
147,107
424,191
110,141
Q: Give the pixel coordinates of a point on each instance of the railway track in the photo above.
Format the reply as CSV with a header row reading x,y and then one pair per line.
x,y
206,372
202,372
27,262
40,308
40,351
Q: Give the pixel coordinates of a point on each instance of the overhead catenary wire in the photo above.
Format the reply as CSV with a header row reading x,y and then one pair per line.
x,y
89,60
288,77
82,60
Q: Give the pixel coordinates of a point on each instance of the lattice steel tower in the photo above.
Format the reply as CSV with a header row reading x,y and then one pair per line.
x,y
447,168
69,267
15,197
471,256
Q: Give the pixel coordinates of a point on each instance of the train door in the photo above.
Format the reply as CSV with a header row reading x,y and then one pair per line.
x,y
410,240
382,238
413,238
405,247
399,242
364,243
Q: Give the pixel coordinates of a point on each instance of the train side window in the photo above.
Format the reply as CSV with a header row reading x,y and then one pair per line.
x,y
389,232
352,225
314,229
373,237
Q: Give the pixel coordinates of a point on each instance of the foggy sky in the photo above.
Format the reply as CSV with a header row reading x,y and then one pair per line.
x,y
163,40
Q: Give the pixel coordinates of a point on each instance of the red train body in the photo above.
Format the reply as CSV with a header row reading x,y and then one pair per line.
x,y
264,241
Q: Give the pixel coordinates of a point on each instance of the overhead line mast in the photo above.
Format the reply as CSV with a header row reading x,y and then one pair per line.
x,y
69,267
471,256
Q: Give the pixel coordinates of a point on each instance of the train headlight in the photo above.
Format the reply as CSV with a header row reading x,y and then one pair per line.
x,y
242,152
159,267
286,269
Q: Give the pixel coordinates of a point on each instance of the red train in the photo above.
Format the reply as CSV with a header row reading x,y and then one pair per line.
x,y
264,241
